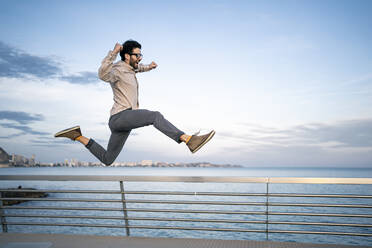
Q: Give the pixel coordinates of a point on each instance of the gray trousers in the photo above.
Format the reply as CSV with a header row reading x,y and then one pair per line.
x,y
121,125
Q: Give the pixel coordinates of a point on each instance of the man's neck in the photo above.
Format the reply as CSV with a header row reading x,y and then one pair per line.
x,y
128,65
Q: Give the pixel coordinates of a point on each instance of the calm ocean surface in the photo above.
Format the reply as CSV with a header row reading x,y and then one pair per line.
x,y
200,187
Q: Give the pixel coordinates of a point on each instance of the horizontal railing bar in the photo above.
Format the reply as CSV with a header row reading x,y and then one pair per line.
x,y
132,218
60,199
137,201
246,194
198,220
190,211
197,228
64,216
61,191
188,228
193,193
324,233
62,208
64,224
135,210
189,193
135,192
322,215
317,224
245,230
191,179
319,180
197,202
244,212
185,220
194,211
275,204
123,226
319,195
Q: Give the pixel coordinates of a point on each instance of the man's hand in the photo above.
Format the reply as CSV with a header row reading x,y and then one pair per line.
x,y
118,48
153,65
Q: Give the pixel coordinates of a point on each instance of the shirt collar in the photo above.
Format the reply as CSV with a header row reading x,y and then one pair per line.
x,y
128,66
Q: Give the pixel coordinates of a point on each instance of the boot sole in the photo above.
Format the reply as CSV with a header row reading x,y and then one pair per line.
x,y
66,131
205,141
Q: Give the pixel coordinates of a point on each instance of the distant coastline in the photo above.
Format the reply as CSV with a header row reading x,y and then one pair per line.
x,y
129,164
142,164
16,160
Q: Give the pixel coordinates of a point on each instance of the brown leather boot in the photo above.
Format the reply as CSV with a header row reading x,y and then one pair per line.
x,y
197,141
71,133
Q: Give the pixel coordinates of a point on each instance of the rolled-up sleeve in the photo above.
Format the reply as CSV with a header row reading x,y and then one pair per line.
x,y
105,71
143,68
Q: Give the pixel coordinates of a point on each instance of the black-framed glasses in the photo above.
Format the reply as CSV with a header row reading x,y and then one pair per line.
x,y
138,55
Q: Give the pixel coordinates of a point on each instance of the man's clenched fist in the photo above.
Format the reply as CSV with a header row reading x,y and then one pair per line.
x,y
118,48
153,65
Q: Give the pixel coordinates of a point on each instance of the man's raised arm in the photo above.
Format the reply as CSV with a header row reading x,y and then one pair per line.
x,y
105,70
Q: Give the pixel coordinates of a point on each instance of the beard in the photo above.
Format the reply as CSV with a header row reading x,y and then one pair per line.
x,y
133,63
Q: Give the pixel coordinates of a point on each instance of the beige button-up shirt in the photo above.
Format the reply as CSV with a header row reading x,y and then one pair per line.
x,y
123,81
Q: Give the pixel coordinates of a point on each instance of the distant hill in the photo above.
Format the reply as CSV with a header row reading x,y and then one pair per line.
x,y
4,157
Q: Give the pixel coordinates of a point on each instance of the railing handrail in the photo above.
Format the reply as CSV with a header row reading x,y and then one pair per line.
x,y
190,179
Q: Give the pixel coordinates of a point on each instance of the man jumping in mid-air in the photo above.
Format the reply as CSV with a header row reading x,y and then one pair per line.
x,y
125,114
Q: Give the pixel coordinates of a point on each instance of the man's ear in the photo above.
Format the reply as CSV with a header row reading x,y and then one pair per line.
x,y
127,57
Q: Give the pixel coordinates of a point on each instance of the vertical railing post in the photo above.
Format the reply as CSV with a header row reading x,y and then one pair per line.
x,y
267,209
124,208
3,220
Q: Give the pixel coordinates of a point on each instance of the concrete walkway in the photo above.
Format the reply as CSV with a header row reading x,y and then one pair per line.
x,y
21,240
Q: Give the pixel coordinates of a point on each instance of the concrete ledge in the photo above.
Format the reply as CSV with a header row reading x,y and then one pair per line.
x,y
21,240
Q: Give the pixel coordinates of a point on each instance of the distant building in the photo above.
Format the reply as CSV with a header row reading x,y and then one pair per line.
x,y
129,164
4,158
31,161
19,160
146,163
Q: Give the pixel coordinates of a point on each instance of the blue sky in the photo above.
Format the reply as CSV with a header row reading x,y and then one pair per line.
x,y
284,83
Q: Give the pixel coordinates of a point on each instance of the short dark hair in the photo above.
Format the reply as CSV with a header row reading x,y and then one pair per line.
x,y
128,47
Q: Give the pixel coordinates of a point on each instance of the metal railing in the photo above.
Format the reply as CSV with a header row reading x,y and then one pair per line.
x,y
266,203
